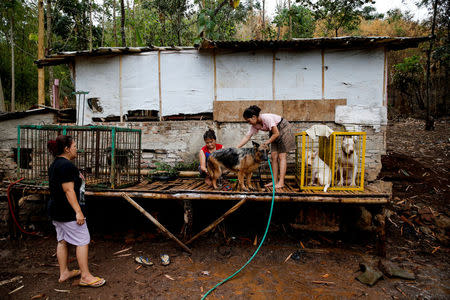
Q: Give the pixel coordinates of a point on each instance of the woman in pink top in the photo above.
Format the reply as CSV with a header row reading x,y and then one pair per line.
x,y
281,139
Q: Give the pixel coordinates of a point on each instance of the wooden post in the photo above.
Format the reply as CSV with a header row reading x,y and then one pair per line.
x,y
159,225
218,221
2,97
41,74
381,234
188,220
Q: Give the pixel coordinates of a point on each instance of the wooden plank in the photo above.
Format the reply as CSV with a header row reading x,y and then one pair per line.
x,y
311,110
154,221
218,221
231,111
291,110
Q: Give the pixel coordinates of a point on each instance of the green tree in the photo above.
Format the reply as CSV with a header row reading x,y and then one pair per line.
x,y
409,80
219,20
370,13
337,14
303,23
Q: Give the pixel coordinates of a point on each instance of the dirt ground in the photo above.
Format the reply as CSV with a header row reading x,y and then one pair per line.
x,y
325,266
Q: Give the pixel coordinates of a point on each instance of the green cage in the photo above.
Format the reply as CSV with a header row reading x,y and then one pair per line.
x,y
108,157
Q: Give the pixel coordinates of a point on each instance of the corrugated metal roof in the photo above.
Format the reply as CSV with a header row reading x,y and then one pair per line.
x,y
68,56
346,42
392,43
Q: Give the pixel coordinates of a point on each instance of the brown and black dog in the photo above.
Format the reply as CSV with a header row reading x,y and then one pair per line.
x,y
243,161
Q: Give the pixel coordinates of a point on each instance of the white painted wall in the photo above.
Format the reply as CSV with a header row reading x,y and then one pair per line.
x,y
356,75
298,75
244,76
187,80
140,82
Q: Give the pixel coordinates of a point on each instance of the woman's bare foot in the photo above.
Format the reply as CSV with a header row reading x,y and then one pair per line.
x,y
69,274
279,185
269,184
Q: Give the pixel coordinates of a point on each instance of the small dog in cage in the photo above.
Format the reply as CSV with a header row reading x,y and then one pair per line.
x,y
320,171
122,157
243,161
348,160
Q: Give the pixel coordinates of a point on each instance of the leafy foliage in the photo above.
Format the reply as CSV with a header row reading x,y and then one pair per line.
x,y
303,23
337,14
408,79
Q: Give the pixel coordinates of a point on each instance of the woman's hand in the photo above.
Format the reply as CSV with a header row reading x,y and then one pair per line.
x,y
80,218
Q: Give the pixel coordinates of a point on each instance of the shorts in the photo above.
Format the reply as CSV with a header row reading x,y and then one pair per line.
x,y
72,233
285,141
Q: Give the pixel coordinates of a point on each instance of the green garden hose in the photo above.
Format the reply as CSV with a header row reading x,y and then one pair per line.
x,y
260,244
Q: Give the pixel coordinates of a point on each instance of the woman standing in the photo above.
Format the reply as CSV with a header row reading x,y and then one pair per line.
x,y
65,209
281,139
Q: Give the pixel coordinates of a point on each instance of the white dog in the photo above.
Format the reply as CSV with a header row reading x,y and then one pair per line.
x,y
348,159
320,171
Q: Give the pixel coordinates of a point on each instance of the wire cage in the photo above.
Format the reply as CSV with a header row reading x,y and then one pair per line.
x,y
330,163
108,157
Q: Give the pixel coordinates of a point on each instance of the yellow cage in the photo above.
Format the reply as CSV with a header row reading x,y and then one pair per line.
x,y
320,162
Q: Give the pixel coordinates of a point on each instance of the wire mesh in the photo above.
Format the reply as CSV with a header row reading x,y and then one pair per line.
x,y
108,157
330,163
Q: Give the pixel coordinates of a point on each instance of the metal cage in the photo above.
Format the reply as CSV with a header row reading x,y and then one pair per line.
x,y
108,157
323,164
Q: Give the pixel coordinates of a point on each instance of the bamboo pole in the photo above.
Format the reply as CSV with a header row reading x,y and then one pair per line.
x,y
218,221
159,225
41,74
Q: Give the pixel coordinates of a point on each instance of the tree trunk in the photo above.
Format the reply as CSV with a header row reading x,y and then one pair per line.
x,y
122,23
48,47
103,24
179,20
90,26
290,20
134,34
114,24
2,97
263,13
13,82
429,124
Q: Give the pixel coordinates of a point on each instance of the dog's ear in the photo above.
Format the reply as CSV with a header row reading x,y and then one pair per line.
x,y
255,144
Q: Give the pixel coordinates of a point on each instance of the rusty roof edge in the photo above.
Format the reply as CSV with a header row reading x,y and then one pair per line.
x,y
391,43
67,56
397,43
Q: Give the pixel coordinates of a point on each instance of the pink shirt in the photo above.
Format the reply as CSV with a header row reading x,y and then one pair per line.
x,y
268,121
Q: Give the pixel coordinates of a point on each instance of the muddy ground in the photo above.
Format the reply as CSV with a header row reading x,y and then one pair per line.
x,y
417,239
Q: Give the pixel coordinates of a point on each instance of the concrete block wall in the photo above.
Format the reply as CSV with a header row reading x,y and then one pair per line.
x,y
7,165
180,141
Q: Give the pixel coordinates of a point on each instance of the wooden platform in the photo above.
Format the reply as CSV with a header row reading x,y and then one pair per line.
x,y
196,189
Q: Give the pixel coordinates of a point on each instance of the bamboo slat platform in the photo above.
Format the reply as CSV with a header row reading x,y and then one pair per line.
x,y
196,189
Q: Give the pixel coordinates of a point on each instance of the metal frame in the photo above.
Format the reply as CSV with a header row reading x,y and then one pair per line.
x,y
67,128
300,169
